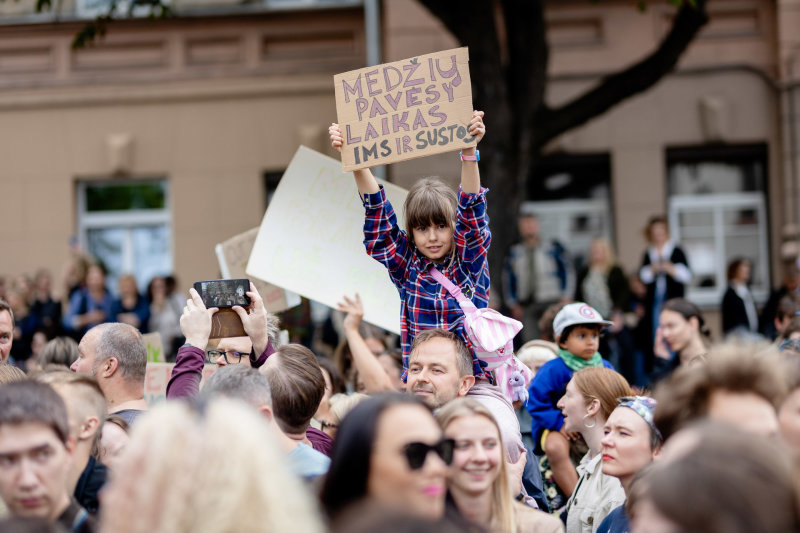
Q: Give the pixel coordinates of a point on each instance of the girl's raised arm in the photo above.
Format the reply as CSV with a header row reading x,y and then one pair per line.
x,y
365,181
470,175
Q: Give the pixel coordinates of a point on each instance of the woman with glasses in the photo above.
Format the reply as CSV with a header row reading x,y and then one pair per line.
x,y
477,480
389,450
592,394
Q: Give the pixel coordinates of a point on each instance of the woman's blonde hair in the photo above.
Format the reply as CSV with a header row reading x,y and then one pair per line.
x,y
604,385
502,501
430,201
212,468
341,404
610,259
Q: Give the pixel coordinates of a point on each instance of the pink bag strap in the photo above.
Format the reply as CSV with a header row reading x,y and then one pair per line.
x,y
454,290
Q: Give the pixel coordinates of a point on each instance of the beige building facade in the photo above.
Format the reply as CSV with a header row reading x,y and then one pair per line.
x,y
204,111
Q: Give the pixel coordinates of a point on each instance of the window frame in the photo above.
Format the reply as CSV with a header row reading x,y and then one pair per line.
x,y
127,219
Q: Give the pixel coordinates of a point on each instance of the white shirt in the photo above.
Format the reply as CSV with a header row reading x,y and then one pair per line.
x,y
596,495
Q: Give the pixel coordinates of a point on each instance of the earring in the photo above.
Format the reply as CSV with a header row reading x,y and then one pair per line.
x,y
587,425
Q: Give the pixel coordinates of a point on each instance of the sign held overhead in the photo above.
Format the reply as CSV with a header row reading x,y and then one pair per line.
x,y
406,109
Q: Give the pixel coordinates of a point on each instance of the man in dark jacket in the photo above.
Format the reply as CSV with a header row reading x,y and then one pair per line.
x,y
35,455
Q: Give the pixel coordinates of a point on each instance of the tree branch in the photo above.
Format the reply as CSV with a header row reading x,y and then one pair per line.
x,y
622,85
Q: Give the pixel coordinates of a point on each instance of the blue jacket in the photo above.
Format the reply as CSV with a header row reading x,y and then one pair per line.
x,y
547,387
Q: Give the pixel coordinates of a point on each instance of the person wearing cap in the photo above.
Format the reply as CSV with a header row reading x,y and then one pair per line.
x,y
631,442
577,330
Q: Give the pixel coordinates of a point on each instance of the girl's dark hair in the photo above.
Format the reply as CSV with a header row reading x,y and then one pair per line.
x,y
687,310
337,383
346,482
734,265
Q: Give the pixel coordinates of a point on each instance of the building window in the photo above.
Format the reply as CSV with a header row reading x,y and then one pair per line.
x,y
571,196
271,181
127,226
717,212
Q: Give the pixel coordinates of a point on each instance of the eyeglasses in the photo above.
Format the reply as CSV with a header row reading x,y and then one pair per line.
x,y
417,452
235,357
324,425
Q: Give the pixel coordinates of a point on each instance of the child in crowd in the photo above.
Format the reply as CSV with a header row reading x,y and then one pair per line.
x,y
577,330
443,230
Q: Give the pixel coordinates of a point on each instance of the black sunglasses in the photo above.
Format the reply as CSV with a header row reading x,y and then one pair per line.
x,y
417,452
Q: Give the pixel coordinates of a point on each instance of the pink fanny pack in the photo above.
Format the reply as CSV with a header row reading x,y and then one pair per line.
x,y
490,333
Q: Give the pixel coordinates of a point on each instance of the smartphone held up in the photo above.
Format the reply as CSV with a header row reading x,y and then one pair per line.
x,y
223,293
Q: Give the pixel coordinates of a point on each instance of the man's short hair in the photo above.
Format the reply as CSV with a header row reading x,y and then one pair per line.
x,y
239,382
85,388
124,343
297,387
4,306
29,401
463,355
10,374
737,367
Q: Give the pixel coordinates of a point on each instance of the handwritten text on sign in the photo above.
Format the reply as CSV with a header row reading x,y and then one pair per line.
x,y
406,109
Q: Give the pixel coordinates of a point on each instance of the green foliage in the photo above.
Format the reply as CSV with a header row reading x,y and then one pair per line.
x,y
97,28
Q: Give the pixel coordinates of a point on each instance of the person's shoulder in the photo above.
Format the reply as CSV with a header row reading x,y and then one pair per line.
x,y
615,522
529,519
553,367
320,441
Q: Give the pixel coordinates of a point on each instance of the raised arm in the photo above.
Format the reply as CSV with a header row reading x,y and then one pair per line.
x,y
196,327
365,181
369,368
470,175
254,321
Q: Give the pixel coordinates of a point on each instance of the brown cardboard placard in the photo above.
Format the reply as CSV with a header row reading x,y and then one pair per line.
x,y
235,252
406,109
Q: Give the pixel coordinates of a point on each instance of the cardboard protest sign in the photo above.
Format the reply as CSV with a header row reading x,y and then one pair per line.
x,y
233,255
157,376
311,240
411,108
155,350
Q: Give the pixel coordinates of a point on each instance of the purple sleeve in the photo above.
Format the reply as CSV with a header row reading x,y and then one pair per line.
x,y
187,373
320,441
257,363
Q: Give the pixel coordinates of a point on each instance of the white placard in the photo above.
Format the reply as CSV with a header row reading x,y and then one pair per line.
x,y
311,240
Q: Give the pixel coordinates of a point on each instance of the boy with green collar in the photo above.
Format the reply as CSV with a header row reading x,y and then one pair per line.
x,y
577,330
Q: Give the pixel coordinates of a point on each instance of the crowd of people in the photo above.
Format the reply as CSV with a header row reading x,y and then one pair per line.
x,y
82,299
615,413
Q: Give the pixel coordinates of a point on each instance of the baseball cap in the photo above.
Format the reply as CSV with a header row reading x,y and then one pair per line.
x,y
577,313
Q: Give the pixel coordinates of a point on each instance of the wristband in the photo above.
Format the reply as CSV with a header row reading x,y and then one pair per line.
x,y
476,157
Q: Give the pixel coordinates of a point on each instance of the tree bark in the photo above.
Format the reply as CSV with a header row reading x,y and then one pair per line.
x,y
509,57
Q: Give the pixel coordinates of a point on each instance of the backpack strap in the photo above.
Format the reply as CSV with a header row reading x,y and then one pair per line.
x,y
447,284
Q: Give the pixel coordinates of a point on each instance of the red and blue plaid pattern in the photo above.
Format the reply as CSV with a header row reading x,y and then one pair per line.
x,y
424,302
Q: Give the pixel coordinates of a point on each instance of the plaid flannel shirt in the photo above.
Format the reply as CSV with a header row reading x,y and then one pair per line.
x,y
424,302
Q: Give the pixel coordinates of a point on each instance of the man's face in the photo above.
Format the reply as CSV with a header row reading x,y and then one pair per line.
x,y
6,335
33,470
529,231
240,345
87,354
433,372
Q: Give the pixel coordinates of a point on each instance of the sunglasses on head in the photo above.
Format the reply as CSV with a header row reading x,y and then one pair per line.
x,y
417,452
